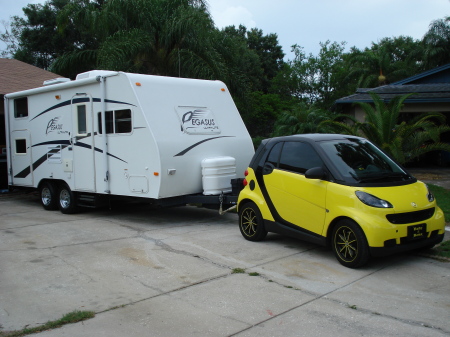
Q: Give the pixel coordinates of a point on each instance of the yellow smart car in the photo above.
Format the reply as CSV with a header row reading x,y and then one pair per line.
x,y
339,191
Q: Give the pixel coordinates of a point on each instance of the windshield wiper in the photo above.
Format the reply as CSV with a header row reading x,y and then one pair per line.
x,y
382,176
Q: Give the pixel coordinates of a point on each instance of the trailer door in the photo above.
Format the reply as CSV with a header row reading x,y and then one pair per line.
x,y
22,168
83,143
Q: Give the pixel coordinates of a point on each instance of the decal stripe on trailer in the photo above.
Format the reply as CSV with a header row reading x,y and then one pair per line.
x,y
78,100
64,144
197,144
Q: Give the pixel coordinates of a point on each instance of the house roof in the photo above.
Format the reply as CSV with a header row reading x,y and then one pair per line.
x,y
17,75
432,86
422,93
436,75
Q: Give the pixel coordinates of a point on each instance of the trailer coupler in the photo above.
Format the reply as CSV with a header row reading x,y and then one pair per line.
x,y
221,212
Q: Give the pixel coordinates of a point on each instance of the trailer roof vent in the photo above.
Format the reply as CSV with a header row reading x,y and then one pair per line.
x,y
95,73
56,81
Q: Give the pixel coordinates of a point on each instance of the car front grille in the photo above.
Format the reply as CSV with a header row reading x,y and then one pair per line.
x,y
410,217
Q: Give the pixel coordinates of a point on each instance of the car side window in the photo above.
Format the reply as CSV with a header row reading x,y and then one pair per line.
x,y
274,154
299,157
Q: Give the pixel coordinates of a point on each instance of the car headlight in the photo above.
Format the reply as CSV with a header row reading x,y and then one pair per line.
x,y
430,195
373,201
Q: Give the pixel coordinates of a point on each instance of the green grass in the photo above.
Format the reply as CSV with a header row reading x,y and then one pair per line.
x,y
442,196
238,271
442,250
443,199
72,317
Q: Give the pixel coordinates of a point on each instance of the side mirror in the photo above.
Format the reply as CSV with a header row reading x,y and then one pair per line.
x,y
315,173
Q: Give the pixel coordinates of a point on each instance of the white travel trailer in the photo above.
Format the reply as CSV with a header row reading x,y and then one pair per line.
x,y
171,140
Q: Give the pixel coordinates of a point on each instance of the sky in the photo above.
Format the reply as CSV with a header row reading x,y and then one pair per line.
x,y
309,22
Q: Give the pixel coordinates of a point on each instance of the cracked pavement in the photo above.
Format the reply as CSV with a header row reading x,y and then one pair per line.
x,y
169,272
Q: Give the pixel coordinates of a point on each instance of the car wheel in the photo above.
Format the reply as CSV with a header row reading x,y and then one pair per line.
x,y
350,244
67,202
47,192
251,222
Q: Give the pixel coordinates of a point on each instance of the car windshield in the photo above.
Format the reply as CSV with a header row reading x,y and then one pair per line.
x,y
359,161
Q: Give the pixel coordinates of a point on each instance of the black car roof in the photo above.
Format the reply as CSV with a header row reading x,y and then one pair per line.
x,y
314,137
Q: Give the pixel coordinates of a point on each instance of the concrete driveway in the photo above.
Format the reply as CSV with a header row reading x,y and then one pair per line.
x,y
169,272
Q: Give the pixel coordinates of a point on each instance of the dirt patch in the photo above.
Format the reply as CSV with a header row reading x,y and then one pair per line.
x,y
428,176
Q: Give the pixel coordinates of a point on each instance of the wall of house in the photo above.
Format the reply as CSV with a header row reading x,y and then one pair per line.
x,y
427,107
358,113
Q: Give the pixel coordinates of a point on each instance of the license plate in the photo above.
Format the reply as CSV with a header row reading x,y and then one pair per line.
x,y
417,231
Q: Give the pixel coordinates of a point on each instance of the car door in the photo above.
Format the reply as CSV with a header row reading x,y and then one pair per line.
x,y
296,200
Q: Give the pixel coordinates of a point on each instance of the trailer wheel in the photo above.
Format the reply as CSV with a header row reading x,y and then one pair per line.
x,y
67,202
49,199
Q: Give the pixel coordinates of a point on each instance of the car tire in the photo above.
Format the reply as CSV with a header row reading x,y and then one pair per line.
x,y
48,194
349,244
251,222
67,202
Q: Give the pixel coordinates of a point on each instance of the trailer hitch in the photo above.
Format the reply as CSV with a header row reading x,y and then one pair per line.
x,y
221,197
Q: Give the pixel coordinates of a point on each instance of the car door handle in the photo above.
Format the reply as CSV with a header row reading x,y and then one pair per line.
x,y
268,168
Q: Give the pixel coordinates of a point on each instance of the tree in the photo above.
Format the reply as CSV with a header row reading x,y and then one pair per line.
x,y
270,55
10,37
404,141
314,79
253,59
387,61
161,37
35,39
243,63
437,43
260,56
303,118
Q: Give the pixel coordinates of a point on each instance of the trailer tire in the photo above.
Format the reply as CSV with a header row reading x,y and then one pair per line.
x,y
67,202
48,194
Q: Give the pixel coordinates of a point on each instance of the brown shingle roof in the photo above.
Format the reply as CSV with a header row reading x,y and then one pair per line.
x,y
17,75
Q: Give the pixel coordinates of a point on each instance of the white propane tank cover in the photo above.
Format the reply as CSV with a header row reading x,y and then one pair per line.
x,y
217,173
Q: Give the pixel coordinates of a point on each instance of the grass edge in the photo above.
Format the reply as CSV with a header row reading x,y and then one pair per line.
x,y
69,318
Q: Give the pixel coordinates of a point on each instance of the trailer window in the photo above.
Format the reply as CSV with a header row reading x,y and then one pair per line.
x,y
117,121
81,119
122,121
21,146
109,123
21,107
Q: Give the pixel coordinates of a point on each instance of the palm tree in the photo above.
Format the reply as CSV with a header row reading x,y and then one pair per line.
x,y
437,43
301,119
161,37
404,141
387,61
343,124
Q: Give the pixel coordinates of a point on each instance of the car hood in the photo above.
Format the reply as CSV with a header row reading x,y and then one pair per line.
x,y
405,198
